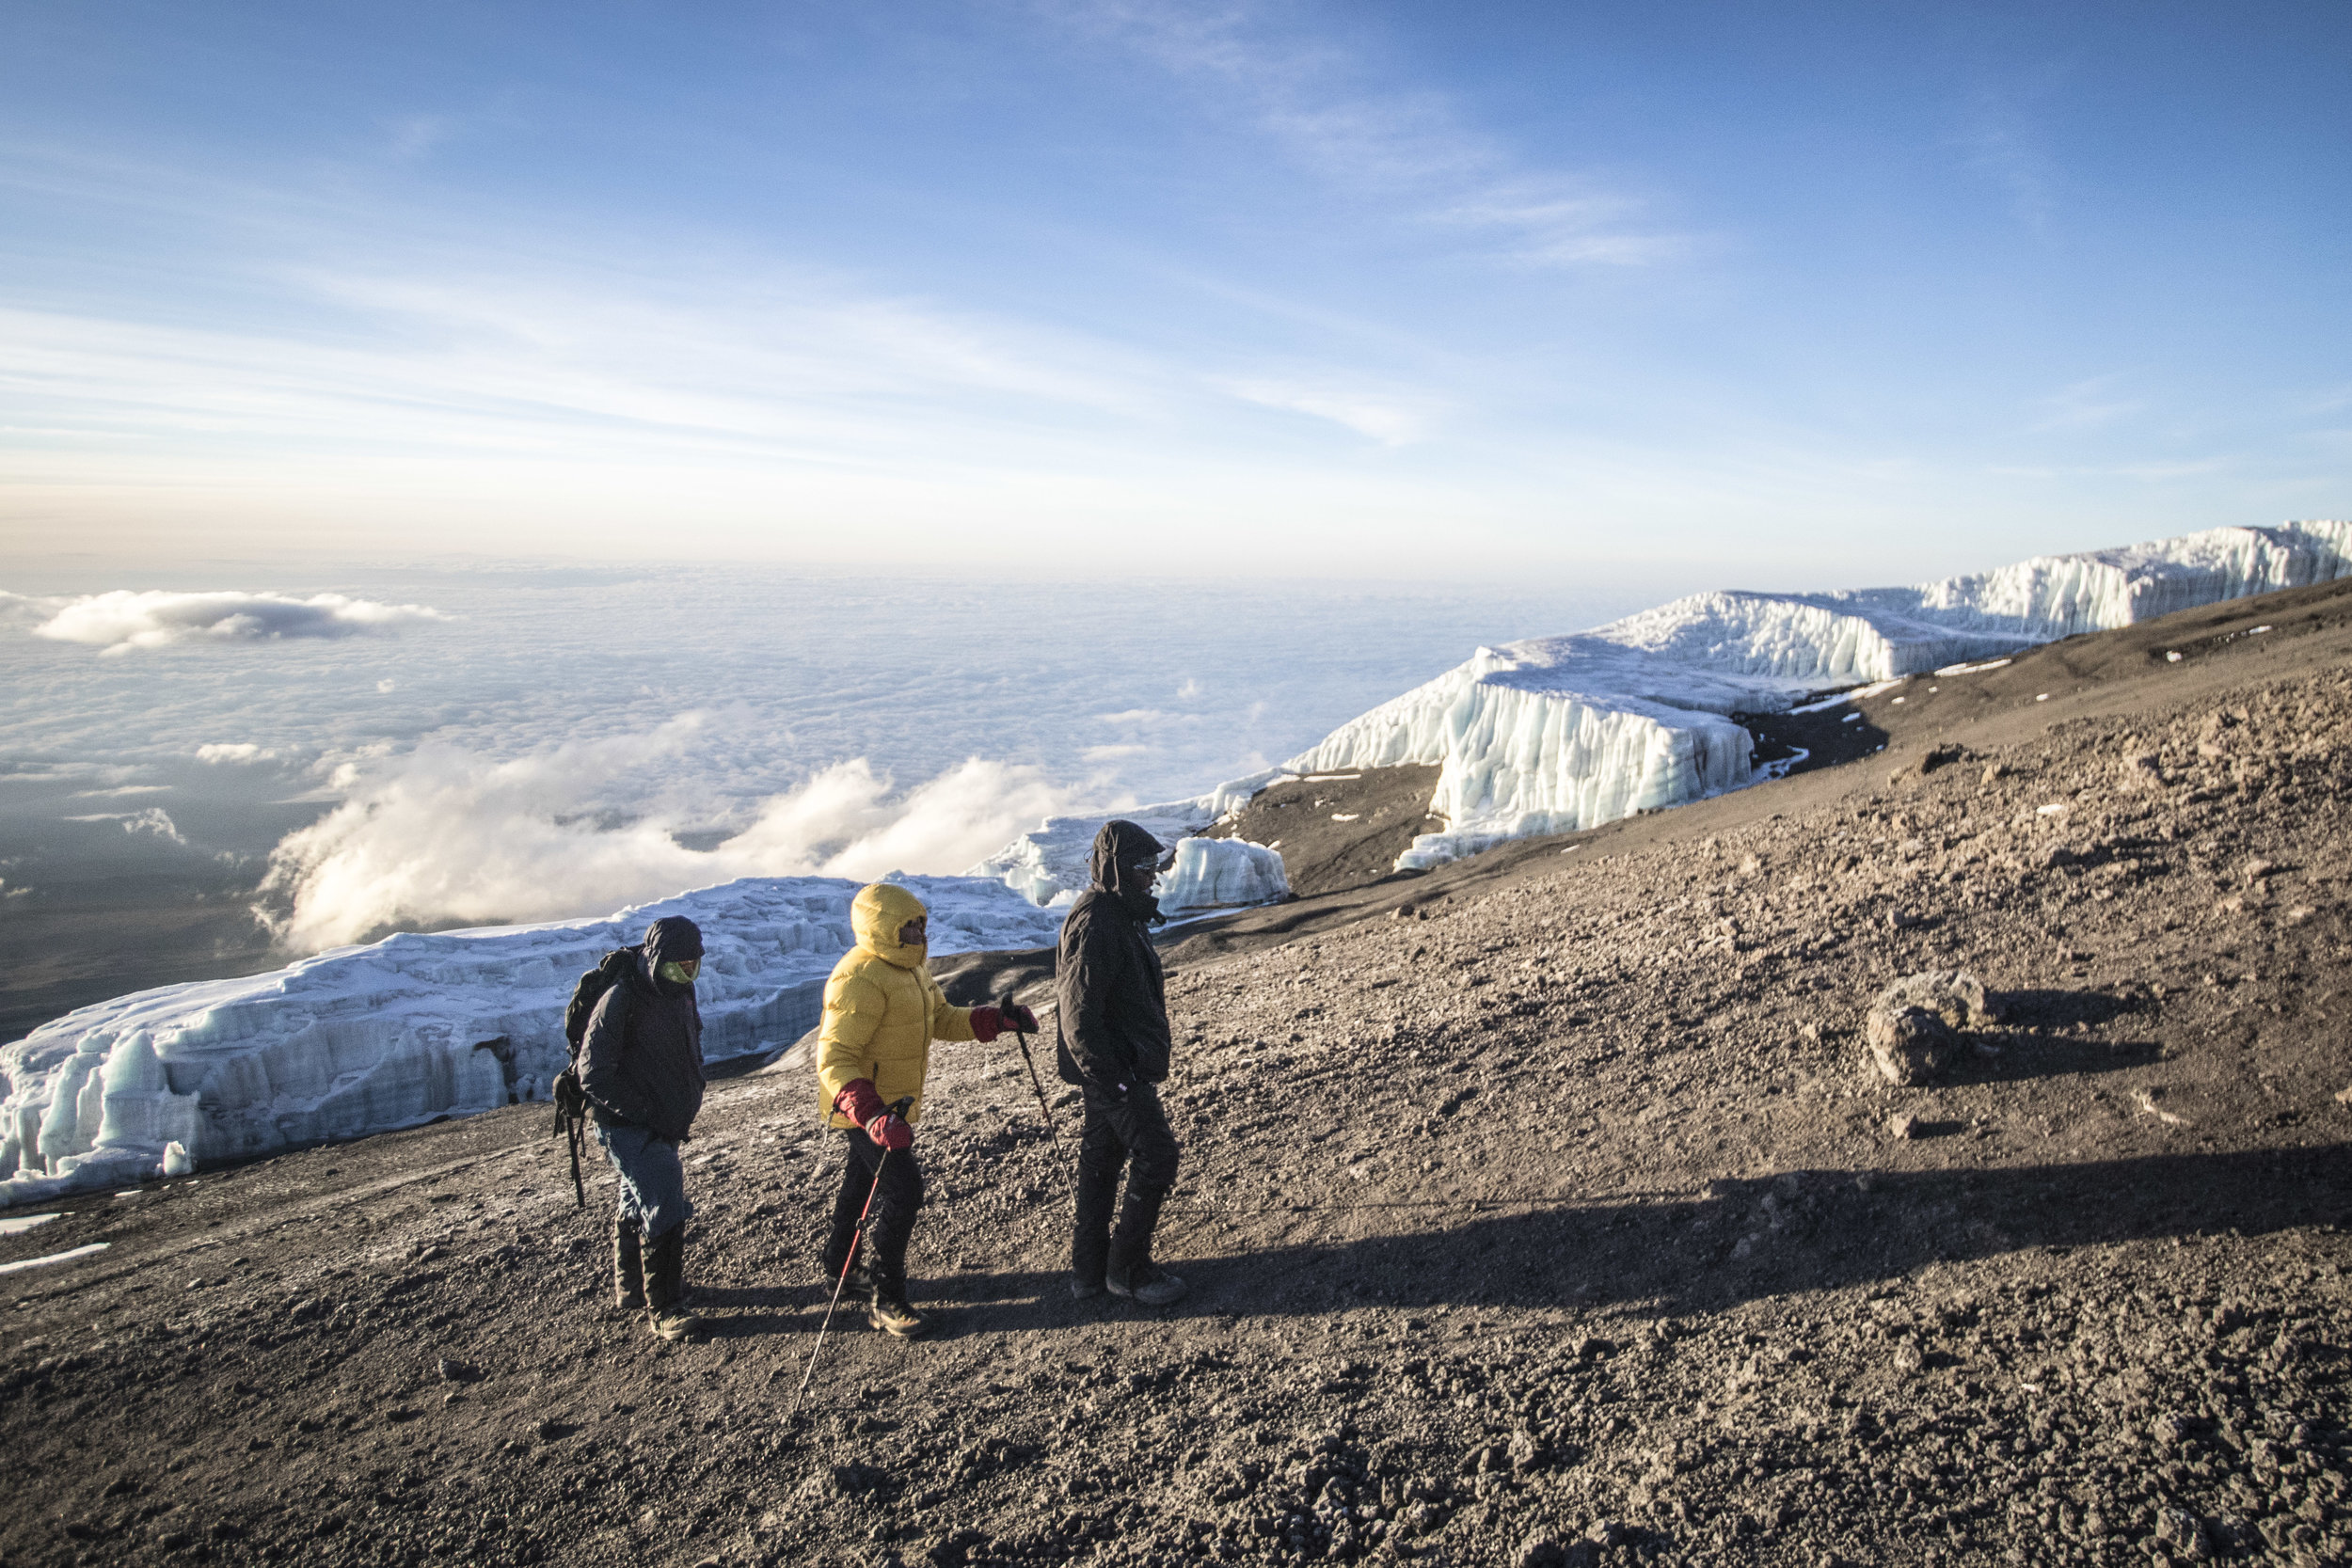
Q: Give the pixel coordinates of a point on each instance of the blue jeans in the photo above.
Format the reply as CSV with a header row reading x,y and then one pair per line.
x,y
653,1183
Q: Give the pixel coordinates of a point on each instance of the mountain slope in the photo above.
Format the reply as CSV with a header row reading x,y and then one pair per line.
x,y
1560,1217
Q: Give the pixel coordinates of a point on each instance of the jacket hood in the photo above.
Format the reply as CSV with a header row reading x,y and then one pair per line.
x,y
877,913
1118,849
673,939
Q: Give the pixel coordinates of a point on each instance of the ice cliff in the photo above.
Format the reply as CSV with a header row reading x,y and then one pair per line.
x,y
1049,864
1560,732
363,1040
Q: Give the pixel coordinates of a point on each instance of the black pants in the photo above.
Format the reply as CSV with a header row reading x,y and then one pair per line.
x,y
889,1224
1130,1132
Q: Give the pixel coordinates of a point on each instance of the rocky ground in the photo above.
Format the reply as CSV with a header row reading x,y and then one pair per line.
x,y
1338,831
1544,1208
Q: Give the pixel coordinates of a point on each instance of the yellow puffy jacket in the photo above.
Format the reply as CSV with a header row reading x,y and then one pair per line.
x,y
882,1009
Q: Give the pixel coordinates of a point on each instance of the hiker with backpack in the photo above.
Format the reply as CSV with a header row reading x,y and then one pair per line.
x,y
1112,1039
882,1011
639,1071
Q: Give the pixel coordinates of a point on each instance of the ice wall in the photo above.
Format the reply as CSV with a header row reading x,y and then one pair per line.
x,y
1222,874
1560,732
363,1039
1049,864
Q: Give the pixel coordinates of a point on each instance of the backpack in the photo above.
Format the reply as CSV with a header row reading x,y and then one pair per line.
x,y
571,1098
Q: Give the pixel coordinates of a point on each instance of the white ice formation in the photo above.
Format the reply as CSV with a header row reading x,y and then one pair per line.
x,y
1560,732
413,1028
1049,864
1213,874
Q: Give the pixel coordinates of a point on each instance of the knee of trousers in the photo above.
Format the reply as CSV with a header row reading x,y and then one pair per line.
x,y
1155,1165
902,1190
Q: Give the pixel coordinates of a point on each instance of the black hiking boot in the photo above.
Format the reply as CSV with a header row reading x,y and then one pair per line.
x,y
859,1284
1147,1283
629,1266
666,1288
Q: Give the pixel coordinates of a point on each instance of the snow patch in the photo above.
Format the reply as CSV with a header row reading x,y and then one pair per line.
x,y
22,1264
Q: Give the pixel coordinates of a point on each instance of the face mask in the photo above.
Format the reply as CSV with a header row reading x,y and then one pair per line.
x,y
675,973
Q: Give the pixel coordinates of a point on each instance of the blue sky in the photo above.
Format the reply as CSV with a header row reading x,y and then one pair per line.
x,y
1772,296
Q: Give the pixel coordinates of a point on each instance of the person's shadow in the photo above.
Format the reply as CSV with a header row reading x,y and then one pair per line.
x,y
1800,1230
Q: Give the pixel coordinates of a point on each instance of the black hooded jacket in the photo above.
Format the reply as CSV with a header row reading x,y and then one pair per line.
x,y
1110,1021
642,1058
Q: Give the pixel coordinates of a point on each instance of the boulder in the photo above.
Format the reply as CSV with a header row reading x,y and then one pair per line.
x,y
1914,1026
1954,996
1910,1045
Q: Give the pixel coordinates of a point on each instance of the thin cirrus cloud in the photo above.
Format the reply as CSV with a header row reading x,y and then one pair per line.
x,y
1391,418
127,621
2099,400
450,366
1408,148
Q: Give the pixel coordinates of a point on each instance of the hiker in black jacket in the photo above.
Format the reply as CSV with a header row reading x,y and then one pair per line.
x,y
1112,1040
642,1068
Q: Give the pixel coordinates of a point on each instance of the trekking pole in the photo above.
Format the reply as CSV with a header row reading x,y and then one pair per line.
x,y
1045,1110
580,1193
848,1263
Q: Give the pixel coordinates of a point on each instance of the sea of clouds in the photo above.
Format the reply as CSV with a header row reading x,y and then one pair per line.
x,y
512,744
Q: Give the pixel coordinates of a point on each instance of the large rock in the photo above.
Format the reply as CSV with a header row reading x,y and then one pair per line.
x,y
1915,1027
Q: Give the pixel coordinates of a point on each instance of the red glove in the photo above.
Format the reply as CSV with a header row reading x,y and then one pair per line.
x,y
987,1024
859,1101
1012,1015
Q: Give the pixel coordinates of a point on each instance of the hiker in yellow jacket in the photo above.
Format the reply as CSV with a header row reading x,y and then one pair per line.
x,y
883,1010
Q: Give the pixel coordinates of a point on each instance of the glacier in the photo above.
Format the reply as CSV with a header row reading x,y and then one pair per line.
x,y
1211,875
1049,864
416,1027
1554,734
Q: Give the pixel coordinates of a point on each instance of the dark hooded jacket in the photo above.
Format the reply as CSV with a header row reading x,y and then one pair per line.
x,y
1110,1010
642,1058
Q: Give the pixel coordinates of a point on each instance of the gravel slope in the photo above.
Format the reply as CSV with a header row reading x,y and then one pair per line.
x,y
1543,1209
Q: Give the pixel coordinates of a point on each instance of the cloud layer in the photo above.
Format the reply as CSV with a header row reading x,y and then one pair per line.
x,y
125,620
444,834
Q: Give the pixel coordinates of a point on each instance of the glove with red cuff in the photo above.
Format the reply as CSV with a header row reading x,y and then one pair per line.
x,y
989,1022
859,1101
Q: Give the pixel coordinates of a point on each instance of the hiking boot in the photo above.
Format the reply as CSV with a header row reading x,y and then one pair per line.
x,y
860,1282
665,1290
629,1266
1085,1289
890,1313
1151,1285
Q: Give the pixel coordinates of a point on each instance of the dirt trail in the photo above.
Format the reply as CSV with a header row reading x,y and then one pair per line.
x,y
1542,1208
